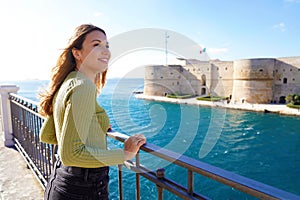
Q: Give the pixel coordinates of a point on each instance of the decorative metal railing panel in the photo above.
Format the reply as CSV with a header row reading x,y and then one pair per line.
x,y
40,157
26,124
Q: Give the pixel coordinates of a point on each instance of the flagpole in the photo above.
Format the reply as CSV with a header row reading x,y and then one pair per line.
x,y
166,40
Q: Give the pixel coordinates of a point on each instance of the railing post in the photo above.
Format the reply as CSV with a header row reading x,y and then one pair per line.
x,y
120,182
190,182
160,173
137,179
6,121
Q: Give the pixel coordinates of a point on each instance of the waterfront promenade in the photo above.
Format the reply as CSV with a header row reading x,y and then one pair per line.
x,y
272,108
17,182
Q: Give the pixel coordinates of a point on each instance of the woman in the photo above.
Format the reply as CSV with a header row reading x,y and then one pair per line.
x,y
77,124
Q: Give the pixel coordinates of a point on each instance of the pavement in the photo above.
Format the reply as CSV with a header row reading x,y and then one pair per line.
x,y
17,182
269,108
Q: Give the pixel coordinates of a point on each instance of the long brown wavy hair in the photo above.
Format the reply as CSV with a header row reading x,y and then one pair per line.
x,y
65,64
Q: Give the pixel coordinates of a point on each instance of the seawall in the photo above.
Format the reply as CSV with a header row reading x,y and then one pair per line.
x,y
272,108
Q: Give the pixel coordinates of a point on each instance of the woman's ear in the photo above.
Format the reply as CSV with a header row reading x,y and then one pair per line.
x,y
76,54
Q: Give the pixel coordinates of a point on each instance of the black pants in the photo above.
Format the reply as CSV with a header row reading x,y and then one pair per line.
x,y
75,183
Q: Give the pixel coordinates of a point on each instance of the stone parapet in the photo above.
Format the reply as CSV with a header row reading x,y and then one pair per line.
x,y
6,125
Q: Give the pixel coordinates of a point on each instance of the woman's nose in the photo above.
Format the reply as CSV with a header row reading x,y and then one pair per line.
x,y
106,50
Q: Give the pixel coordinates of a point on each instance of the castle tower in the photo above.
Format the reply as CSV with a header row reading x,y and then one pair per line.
x,y
253,80
161,80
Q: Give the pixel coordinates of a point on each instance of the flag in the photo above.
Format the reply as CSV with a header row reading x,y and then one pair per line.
x,y
203,50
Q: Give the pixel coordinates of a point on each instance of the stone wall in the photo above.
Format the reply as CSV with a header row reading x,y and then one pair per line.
x,y
221,78
253,80
200,73
262,80
286,78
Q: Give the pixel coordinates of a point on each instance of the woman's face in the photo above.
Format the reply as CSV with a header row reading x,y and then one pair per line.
x,y
94,56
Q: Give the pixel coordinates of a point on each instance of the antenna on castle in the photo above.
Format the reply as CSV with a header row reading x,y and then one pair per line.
x,y
166,40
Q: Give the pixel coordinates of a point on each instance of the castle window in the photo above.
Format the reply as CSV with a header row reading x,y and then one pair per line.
x,y
284,70
177,82
285,80
298,69
171,73
276,70
203,80
291,69
293,79
261,70
161,77
225,68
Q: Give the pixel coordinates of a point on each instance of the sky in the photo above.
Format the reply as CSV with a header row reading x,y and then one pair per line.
x,y
33,32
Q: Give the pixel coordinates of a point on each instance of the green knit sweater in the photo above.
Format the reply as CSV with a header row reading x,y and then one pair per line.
x,y
78,125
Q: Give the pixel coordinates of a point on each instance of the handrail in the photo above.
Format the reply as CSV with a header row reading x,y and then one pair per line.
x,y
40,158
236,181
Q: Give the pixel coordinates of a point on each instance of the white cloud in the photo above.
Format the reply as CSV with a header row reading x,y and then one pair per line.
x,y
97,14
292,1
216,53
217,50
281,26
132,65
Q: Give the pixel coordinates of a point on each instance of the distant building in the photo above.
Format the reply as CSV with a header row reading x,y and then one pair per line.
x,y
262,80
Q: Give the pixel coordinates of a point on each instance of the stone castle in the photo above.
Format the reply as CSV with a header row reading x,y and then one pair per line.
x,y
262,80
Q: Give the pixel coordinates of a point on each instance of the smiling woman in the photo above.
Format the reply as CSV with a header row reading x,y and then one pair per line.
x,y
77,124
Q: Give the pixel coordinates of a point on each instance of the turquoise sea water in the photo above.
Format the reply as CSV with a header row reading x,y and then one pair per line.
x,y
264,147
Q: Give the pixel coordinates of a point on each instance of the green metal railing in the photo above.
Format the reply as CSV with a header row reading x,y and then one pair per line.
x,y
40,157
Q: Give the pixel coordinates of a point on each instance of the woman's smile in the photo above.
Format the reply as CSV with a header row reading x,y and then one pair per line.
x,y
104,60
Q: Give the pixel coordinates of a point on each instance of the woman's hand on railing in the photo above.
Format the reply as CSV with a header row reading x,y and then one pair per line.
x,y
132,145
